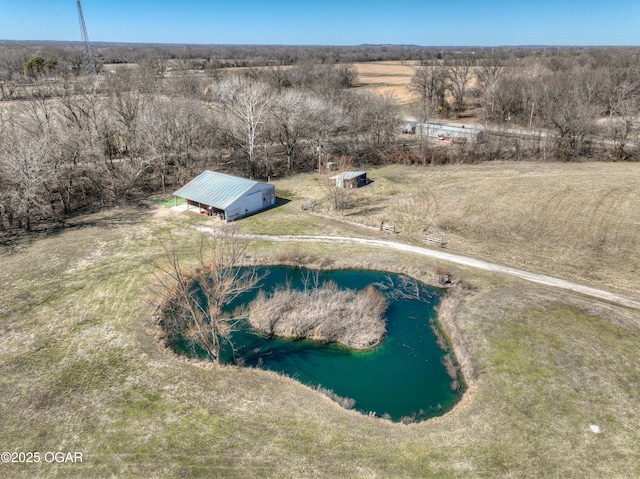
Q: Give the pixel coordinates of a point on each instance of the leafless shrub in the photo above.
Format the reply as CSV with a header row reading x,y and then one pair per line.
x,y
409,419
322,312
447,318
309,205
452,371
294,255
326,261
345,402
442,342
444,275
464,287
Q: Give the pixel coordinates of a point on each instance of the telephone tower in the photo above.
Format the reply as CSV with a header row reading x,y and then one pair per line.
x,y
89,64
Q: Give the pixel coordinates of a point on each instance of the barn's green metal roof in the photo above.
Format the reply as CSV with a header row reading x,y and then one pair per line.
x,y
216,189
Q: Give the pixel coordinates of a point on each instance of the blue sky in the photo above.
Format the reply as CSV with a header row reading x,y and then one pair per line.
x,y
329,22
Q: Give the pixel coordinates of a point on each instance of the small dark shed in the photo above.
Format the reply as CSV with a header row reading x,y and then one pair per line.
x,y
350,179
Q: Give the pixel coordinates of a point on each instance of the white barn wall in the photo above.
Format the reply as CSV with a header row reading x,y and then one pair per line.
x,y
251,202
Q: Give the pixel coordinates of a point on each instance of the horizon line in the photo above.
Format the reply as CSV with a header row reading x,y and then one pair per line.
x,y
397,45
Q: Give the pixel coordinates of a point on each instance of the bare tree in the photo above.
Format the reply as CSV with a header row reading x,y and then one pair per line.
x,y
79,109
621,126
489,74
570,108
288,113
374,119
506,99
459,74
243,104
173,131
126,157
429,83
27,166
157,122
339,191
39,108
299,116
620,95
193,301
128,100
326,80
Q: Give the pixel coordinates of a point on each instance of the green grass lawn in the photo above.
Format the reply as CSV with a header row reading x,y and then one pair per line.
x,y
81,369
166,201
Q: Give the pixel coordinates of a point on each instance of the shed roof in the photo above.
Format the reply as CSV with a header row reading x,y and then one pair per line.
x,y
349,175
216,189
459,129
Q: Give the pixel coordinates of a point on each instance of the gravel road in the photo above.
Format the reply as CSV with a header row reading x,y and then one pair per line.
x,y
465,261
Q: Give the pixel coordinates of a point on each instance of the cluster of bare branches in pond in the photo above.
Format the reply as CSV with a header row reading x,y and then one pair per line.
x,y
322,312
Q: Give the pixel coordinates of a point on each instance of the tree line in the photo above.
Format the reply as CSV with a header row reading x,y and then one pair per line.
x,y
69,144
581,101
69,55
72,145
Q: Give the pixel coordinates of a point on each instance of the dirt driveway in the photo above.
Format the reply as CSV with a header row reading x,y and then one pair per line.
x,y
461,260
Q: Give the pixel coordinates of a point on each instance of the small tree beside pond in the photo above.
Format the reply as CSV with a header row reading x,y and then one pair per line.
x,y
193,300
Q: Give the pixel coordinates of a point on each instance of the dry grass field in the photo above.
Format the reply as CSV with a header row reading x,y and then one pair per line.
x,y
576,221
388,78
392,78
81,368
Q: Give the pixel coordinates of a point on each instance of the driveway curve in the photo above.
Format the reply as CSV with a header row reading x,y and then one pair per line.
x,y
461,260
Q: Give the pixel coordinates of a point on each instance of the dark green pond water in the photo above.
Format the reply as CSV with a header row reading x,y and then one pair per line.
x,y
403,377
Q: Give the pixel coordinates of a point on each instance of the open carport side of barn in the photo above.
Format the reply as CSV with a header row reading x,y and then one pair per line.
x,y
226,196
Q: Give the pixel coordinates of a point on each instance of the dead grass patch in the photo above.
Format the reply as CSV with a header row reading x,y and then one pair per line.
x,y
322,312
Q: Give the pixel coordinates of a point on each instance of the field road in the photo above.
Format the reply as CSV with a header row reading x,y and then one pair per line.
x,y
461,260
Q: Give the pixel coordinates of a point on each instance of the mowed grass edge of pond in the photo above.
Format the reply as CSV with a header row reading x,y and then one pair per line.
x,y
81,371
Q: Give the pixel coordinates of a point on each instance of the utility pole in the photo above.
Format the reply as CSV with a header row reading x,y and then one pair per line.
x,y
319,150
531,117
89,64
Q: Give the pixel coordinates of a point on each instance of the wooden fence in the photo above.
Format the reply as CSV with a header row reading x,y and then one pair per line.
x,y
388,228
434,240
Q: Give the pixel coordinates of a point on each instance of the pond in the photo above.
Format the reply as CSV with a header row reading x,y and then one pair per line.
x,y
401,379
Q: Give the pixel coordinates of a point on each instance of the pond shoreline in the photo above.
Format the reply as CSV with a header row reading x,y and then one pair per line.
x,y
455,294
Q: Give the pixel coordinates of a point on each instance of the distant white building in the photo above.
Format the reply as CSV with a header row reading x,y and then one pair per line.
x,y
410,127
454,133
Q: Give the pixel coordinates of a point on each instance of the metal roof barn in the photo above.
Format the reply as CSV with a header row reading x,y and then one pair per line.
x,y
227,196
